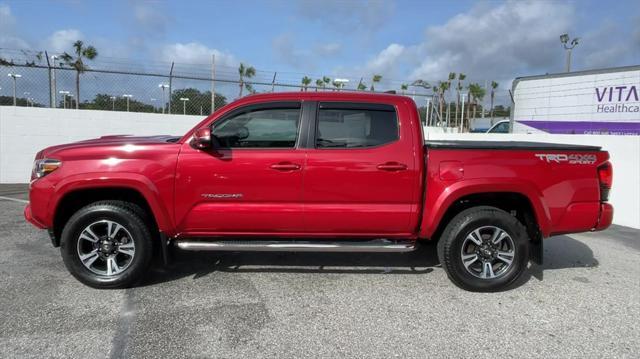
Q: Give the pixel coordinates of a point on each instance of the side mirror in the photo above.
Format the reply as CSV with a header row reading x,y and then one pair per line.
x,y
201,139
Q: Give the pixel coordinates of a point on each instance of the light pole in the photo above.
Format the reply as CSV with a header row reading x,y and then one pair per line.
x,y
113,103
53,79
15,76
184,104
568,46
164,101
153,100
26,95
128,97
64,99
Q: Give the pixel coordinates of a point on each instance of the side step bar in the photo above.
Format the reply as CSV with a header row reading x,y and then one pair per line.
x,y
373,246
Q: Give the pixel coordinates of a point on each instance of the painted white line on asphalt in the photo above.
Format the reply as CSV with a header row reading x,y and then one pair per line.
x,y
14,199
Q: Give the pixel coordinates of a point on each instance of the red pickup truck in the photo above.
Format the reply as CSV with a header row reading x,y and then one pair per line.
x,y
321,171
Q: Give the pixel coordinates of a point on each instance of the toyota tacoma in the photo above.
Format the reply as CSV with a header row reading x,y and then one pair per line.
x,y
322,171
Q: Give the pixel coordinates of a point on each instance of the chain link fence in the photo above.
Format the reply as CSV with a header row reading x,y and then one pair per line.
x,y
40,79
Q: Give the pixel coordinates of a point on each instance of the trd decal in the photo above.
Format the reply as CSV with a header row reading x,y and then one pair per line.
x,y
572,159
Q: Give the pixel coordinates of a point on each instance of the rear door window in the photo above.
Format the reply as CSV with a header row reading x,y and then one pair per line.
x,y
352,125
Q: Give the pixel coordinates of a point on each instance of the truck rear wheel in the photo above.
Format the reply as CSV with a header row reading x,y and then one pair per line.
x,y
484,249
106,245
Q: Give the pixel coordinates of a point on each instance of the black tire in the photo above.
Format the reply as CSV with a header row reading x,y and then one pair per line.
x,y
450,248
122,213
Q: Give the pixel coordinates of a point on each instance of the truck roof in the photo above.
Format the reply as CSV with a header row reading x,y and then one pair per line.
x,y
327,95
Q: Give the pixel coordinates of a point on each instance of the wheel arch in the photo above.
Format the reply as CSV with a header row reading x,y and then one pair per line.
x,y
527,203
73,195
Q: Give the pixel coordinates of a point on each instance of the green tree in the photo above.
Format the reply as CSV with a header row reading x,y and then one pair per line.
x,y
362,86
305,82
494,86
199,102
459,87
326,80
77,63
403,88
245,72
374,80
476,93
319,84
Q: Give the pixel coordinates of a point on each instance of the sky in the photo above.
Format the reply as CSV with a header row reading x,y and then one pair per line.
x,y
403,40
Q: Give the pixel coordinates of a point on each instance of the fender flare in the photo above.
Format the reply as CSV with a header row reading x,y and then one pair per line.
x,y
431,219
133,181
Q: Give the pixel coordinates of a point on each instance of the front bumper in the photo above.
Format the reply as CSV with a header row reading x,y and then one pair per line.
x,y
29,217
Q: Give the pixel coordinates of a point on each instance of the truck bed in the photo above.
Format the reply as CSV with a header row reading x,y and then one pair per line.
x,y
507,145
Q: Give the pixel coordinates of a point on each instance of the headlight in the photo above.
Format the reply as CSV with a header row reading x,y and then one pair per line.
x,y
44,166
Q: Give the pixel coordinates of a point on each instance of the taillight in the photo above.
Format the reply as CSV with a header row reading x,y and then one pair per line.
x,y
605,176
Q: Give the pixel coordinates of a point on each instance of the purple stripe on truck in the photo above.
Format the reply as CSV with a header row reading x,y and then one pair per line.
x,y
585,127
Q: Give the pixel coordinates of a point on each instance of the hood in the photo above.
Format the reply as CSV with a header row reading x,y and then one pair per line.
x,y
110,141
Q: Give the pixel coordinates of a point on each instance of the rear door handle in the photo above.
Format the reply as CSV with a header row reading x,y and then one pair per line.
x,y
392,166
285,166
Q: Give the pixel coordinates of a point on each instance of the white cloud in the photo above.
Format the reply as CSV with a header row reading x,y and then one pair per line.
x,y
8,37
384,61
496,43
62,40
149,17
196,53
360,15
328,49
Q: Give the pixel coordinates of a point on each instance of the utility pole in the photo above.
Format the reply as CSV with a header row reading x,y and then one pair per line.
x,y
568,46
184,104
213,84
113,103
164,99
273,82
127,97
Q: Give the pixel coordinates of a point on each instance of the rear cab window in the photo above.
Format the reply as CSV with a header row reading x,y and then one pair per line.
x,y
355,125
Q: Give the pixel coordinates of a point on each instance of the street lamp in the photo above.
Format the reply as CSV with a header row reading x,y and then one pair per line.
x,y
53,79
164,101
15,76
113,103
128,97
26,95
184,104
568,46
64,99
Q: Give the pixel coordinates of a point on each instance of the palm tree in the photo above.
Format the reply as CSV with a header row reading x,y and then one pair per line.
x,y
326,81
245,72
477,93
494,86
362,86
337,84
319,84
77,63
452,76
443,87
305,82
374,80
403,88
459,88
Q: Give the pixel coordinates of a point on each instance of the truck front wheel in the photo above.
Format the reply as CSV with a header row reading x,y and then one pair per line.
x,y
484,249
106,245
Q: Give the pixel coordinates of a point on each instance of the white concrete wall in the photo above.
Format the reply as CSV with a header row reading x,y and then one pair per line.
x,y
625,157
26,130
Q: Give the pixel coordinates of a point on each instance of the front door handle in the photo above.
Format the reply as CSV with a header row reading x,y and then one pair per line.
x,y
285,166
392,166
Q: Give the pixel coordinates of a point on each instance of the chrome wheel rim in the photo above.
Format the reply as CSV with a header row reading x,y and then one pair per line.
x,y
488,252
106,248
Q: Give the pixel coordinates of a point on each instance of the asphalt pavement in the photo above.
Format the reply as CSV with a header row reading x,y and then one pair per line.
x,y
583,302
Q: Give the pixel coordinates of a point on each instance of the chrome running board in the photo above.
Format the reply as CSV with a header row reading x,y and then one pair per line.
x,y
371,246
